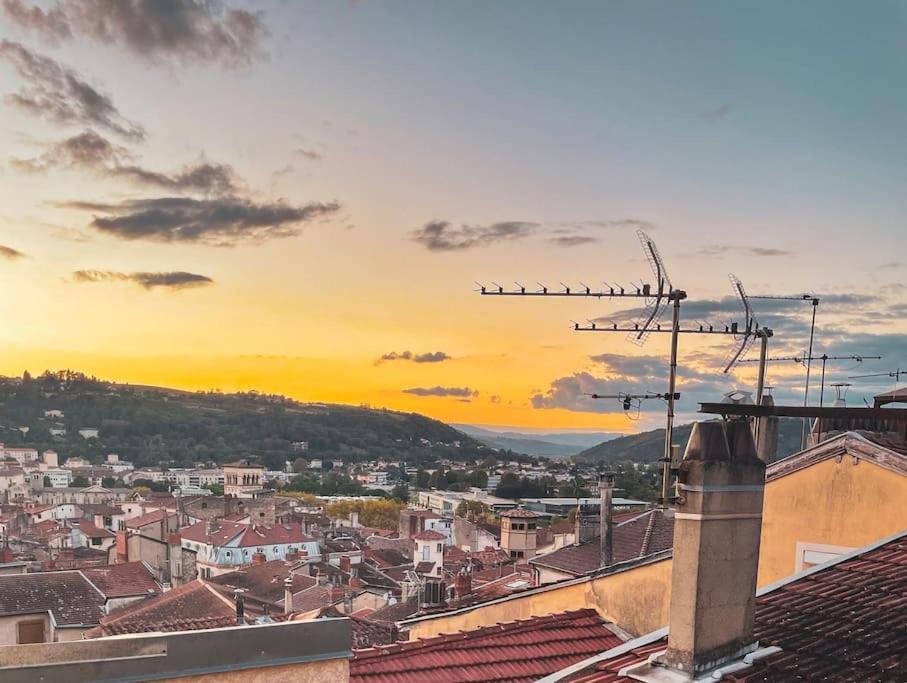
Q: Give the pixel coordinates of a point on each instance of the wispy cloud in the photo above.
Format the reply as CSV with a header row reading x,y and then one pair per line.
x,y
721,249
310,154
10,253
222,221
175,31
59,94
428,357
442,235
460,392
445,236
166,280
91,151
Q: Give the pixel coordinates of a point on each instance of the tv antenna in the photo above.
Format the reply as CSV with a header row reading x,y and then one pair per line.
x,y
805,359
656,299
896,374
814,301
630,401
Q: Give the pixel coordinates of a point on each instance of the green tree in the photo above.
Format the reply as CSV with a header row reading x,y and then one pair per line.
x,y
400,492
79,482
46,482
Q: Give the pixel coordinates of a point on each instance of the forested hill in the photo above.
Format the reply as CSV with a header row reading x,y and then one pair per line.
x,y
649,446
153,425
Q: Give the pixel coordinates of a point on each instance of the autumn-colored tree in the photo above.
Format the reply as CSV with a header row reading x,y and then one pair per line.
x,y
382,514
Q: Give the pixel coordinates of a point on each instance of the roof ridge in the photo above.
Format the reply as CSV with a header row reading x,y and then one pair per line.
x,y
144,605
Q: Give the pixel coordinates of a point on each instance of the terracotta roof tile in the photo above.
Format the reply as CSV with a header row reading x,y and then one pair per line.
x,y
513,652
194,605
429,535
263,581
643,534
843,622
123,580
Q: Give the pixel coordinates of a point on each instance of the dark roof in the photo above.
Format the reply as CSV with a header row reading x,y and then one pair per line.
x,y
842,621
520,512
68,595
513,652
264,581
123,580
192,606
644,534
387,557
396,612
366,633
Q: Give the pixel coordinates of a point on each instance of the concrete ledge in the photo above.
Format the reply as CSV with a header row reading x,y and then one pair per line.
x,y
161,656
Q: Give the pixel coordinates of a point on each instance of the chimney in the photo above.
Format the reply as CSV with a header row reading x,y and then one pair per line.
x,y
258,558
122,547
463,585
345,563
212,526
292,554
717,527
606,526
767,434
240,607
288,595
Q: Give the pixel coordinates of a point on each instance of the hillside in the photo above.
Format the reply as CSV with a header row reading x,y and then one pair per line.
x,y
154,425
649,446
544,445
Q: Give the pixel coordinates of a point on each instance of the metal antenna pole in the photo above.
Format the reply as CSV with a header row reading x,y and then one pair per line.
x,y
809,356
672,385
760,383
822,383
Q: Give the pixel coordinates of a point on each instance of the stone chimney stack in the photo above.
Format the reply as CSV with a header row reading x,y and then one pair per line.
x,y
718,521
767,434
606,494
463,584
288,595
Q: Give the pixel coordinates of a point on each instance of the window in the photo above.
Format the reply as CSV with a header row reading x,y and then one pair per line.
x,y
440,547
517,526
96,541
426,553
31,631
229,553
516,553
531,525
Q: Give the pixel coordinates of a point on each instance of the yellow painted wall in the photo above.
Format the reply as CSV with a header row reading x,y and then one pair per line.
x,y
636,600
829,503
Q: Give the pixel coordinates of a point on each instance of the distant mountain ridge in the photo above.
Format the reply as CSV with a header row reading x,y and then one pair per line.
x,y
551,445
151,425
649,446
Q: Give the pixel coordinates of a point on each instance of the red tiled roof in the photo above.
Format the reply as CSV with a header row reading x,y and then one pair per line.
x,y
149,518
91,530
252,535
514,652
424,567
842,622
429,535
123,580
264,581
194,605
644,534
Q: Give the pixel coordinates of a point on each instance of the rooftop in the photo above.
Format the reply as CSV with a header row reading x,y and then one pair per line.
x,y
264,581
123,580
194,605
68,595
841,621
429,535
513,652
643,534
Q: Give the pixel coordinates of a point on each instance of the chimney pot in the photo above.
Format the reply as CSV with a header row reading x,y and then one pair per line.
x,y
288,595
606,526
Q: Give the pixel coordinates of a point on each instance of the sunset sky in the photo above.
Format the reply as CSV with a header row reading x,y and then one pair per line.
x,y
298,197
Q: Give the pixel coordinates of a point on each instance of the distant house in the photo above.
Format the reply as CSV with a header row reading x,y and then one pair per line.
x,y
86,534
222,546
89,432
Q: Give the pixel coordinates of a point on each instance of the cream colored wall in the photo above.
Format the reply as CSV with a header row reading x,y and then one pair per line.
x,y
636,600
330,671
850,503
9,633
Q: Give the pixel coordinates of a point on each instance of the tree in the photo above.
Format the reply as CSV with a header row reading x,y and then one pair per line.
x,y
382,514
422,479
108,482
400,492
79,482
300,465
46,482
215,489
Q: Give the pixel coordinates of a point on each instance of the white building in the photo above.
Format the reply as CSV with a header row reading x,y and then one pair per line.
x,y
429,549
56,414
20,455
89,432
59,478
